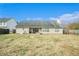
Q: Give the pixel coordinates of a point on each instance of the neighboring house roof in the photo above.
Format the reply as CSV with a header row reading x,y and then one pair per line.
x,y
36,24
4,19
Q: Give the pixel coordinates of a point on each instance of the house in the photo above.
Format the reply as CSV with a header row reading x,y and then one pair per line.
x,y
8,24
42,27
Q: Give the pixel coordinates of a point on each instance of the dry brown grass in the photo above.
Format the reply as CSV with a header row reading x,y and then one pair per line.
x,y
39,45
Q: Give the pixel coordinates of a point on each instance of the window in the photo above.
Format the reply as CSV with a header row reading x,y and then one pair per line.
x,y
2,24
45,30
56,30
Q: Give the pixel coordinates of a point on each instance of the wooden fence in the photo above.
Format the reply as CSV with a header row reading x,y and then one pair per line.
x,y
70,31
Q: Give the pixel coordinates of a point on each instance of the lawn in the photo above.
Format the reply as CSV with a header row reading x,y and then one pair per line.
x,y
39,45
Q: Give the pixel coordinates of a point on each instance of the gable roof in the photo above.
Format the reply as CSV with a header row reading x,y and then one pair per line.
x,y
4,19
36,24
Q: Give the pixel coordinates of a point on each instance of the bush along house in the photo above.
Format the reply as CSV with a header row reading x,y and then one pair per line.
x,y
7,25
38,26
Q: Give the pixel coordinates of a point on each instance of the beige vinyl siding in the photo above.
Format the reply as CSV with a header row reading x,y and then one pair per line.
x,y
22,31
52,31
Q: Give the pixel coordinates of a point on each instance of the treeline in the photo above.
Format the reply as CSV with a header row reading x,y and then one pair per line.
x,y
73,26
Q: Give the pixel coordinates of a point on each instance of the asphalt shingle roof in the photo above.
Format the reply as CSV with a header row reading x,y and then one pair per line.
x,y
36,24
